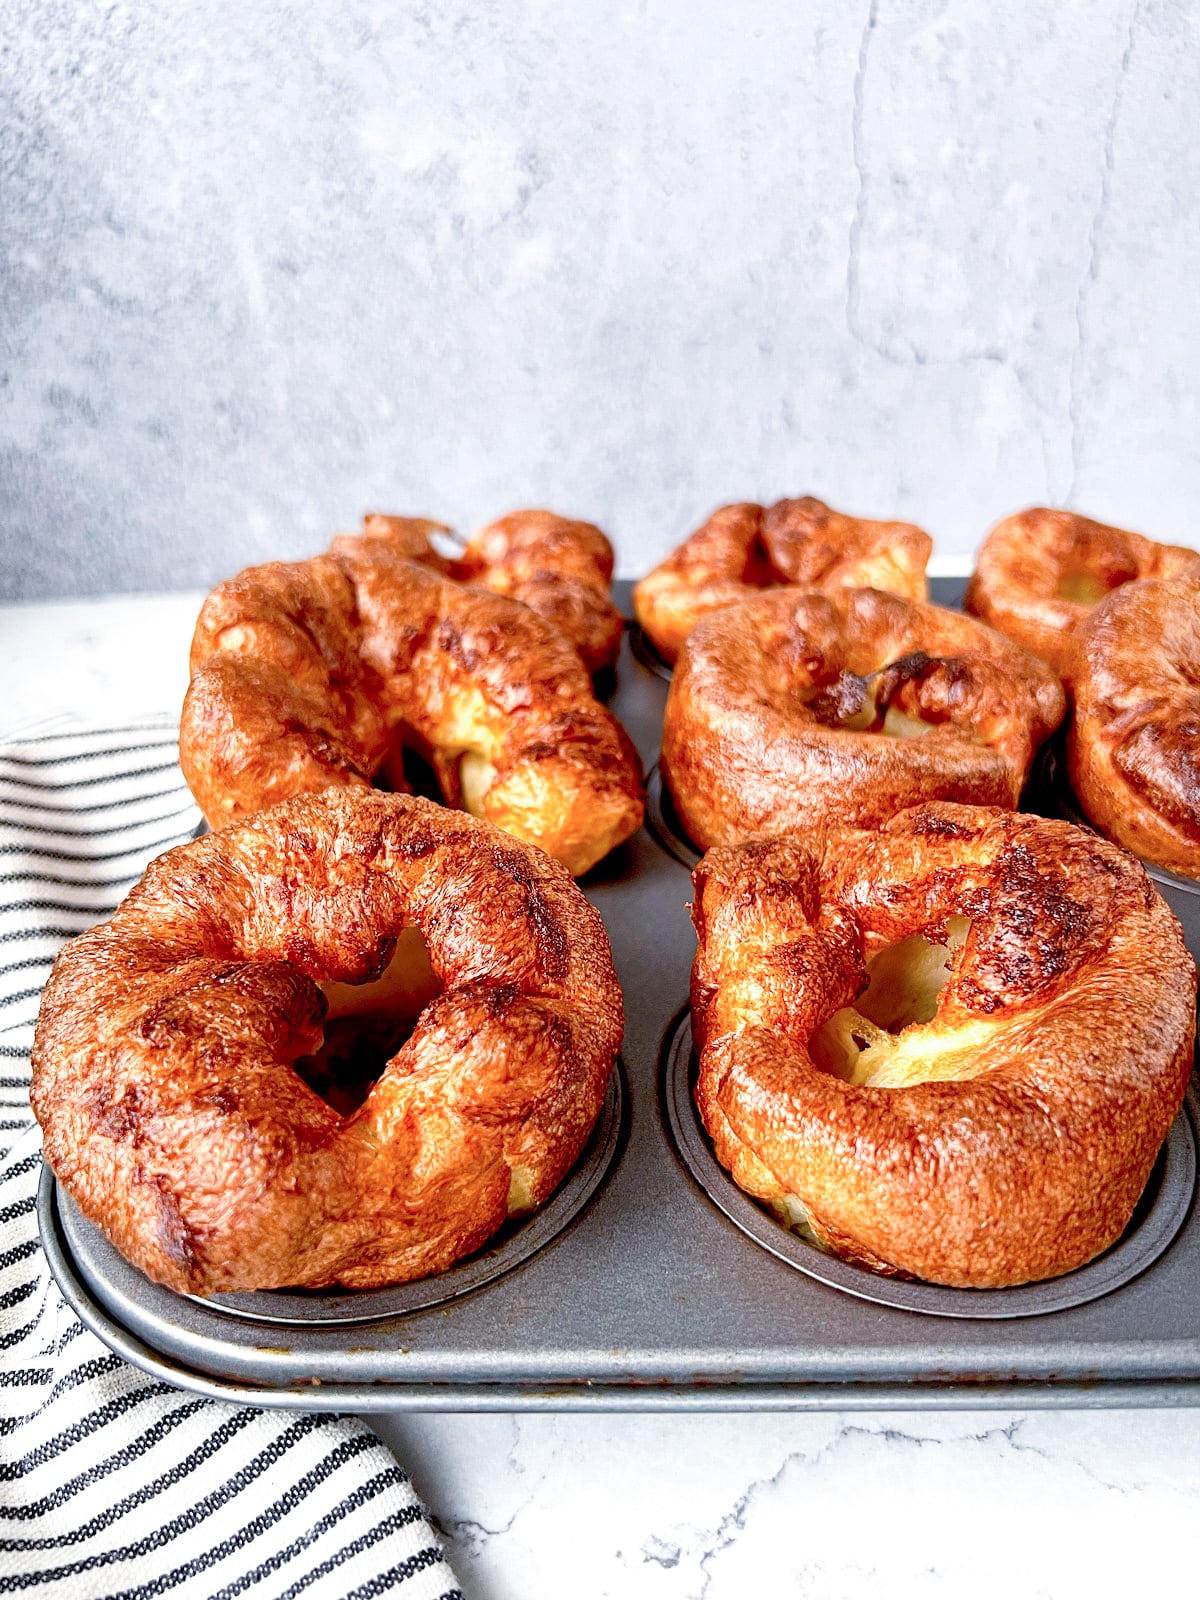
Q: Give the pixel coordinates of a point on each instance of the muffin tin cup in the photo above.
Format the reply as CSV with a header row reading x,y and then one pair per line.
x,y
1156,1221
663,820
647,653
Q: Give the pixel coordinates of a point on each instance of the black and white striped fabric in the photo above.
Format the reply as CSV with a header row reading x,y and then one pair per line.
x,y
111,1483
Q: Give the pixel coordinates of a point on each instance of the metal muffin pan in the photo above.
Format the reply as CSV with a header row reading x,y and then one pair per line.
x,y
664,823
652,1297
647,653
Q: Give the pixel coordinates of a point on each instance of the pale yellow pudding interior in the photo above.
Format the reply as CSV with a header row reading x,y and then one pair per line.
x,y
1081,588
897,724
468,734
475,774
890,1037
520,1196
404,988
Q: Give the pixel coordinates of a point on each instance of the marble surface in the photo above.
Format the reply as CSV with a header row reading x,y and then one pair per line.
x,y
715,1507
264,266
1050,1506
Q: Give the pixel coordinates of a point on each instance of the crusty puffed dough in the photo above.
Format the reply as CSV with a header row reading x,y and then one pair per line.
x,y
309,673
1133,748
1017,585
161,1063
744,548
1075,973
560,567
745,751
280,700
410,537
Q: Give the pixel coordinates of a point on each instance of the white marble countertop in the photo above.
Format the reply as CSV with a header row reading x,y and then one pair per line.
x,y
723,1506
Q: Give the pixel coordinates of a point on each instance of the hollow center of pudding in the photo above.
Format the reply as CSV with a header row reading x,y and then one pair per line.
x,y
851,702
366,1024
890,1038
467,737
448,759
1082,588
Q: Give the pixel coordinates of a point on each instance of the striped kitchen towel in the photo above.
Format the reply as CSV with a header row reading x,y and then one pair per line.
x,y
111,1482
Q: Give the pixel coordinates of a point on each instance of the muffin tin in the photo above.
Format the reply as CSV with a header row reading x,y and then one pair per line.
x,y
649,1281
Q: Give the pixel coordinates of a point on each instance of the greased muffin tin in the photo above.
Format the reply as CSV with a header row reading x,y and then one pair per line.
x,y
649,1281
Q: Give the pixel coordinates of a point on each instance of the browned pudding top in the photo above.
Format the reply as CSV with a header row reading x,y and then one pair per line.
x,y
1040,572
797,708
316,672
1135,742
560,567
744,548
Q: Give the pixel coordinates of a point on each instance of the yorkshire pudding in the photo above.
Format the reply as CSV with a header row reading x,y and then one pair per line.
x,y
795,710
950,1049
1133,749
169,1049
561,568
743,549
1039,573
317,672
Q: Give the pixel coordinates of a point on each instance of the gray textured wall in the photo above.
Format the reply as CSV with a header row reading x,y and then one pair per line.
x,y
265,266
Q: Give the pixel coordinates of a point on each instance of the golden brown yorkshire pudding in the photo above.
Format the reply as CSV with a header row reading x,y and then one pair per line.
x,y
561,568
798,709
952,1048
1039,573
743,549
1133,749
316,672
169,1051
